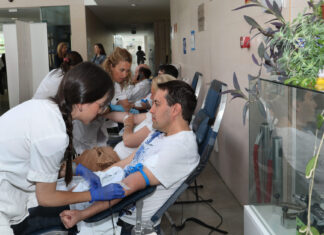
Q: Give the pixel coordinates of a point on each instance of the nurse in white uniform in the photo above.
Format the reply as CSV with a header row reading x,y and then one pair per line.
x,y
36,136
117,65
49,85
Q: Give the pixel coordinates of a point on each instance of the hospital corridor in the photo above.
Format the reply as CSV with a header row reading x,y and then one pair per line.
x,y
161,117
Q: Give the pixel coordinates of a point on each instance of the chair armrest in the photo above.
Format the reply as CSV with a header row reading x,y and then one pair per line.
x,y
124,203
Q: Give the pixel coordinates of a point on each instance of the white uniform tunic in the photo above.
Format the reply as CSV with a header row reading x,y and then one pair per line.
x,y
120,94
33,140
49,85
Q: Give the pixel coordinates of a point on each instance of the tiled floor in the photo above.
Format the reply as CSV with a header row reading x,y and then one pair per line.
x,y
223,201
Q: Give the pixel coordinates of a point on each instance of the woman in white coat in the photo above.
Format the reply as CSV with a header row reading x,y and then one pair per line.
x,y
36,136
49,85
117,65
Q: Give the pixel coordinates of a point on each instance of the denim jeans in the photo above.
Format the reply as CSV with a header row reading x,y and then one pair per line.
x,y
42,219
127,228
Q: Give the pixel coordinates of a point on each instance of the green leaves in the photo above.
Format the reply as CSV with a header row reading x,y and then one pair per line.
x,y
253,23
320,121
310,167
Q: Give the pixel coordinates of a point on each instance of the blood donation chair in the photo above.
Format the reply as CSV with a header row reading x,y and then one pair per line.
x,y
206,125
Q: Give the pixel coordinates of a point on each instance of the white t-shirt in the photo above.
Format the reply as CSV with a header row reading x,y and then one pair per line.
x,y
33,141
170,159
49,85
124,151
139,91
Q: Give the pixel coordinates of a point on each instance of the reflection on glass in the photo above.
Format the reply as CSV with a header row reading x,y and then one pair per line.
x,y
58,28
281,144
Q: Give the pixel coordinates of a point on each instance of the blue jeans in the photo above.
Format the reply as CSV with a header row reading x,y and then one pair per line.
x,y
42,219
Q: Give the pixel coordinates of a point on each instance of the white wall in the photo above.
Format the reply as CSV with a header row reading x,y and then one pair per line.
x,y
217,56
97,32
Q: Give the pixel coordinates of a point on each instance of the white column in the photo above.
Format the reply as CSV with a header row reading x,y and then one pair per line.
x,y
26,57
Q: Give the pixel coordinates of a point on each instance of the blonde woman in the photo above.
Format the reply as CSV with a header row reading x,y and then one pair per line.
x,y
61,51
118,66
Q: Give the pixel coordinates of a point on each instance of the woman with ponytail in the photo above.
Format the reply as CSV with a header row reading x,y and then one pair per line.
x,y
36,137
49,85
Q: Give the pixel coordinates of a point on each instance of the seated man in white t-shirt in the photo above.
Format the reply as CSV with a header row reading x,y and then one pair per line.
x,y
165,158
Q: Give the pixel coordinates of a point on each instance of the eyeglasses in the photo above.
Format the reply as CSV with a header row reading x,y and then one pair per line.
x,y
102,107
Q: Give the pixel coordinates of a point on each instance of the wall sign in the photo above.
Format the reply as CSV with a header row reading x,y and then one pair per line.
x,y
192,40
201,17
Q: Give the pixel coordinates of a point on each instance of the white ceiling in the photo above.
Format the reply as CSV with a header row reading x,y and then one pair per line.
x,y
113,12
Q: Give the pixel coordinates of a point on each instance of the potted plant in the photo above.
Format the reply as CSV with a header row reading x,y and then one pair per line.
x,y
292,53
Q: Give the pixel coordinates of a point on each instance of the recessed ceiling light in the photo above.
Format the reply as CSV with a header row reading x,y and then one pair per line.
x,y
133,5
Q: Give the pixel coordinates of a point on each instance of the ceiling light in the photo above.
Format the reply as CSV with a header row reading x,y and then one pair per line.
x,y
133,5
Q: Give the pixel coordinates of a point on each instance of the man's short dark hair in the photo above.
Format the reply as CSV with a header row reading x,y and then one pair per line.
x,y
181,93
145,71
169,69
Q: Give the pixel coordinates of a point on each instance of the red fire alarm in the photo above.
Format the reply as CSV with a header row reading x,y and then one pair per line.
x,y
245,42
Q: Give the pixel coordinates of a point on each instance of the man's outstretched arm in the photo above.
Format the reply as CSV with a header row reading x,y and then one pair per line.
x,y
134,182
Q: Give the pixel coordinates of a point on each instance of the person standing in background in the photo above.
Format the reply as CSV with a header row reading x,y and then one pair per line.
x,y
140,56
61,52
100,54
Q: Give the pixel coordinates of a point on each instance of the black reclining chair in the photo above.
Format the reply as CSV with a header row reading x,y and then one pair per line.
x,y
206,125
196,83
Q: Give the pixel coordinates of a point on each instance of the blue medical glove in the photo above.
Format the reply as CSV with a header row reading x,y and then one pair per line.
x,y
134,111
117,108
144,101
107,193
88,175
